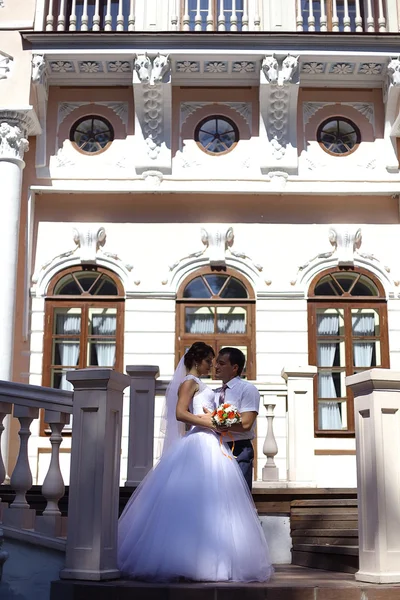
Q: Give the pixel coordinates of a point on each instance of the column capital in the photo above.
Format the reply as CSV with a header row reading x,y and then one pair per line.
x,y
13,135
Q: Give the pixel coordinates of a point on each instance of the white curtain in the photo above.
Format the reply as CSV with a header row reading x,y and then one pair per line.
x,y
105,325
200,323
328,412
69,351
363,324
235,323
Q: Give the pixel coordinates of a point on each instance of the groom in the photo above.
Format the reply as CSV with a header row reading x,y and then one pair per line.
x,y
245,396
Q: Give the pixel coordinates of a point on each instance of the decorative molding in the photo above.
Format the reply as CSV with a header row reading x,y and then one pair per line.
x,y
313,68
342,68
243,67
121,109
152,71
393,71
280,74
278,120
310,108
215,66
153,178
365,108
153,118
6,61
188,108
278,178
187,66
66,108
62,66
90,66
89,242
13,137
243,108
119,66
371,68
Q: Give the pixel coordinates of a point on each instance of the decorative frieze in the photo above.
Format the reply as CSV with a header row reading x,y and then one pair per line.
x,y
342,68
90,66
5,64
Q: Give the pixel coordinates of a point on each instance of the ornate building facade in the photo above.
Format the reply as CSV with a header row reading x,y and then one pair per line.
x,y
216,170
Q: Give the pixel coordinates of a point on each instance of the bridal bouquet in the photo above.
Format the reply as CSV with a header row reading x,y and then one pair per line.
x,y
226,415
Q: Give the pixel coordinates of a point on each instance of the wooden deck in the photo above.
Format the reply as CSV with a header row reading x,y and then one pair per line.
x,y
289,583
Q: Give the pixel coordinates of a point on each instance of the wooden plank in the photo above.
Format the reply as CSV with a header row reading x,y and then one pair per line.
x,y
318,524
325,502
329,510
324,516
350,533
325,541
273,507
348,550
339,563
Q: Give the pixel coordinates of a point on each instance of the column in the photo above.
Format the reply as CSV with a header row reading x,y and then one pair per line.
x,y
377,423
13,144
153,113
91,552
300,396
141,421
391,98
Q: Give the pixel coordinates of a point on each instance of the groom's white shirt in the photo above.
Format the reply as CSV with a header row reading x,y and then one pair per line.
x,y
245,396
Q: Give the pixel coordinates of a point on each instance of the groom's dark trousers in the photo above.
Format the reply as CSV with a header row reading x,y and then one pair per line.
x,y
244,452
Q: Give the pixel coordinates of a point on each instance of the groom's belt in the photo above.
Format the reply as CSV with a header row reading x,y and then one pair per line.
x,y
240,444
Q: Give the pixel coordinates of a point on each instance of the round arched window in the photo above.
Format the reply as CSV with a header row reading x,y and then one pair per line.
x,y
338,136
216,135
347,334
217,308
92,134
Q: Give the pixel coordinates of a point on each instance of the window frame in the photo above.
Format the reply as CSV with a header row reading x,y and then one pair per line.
x,y
92,117
215,13
347,303
349,122
217,340
85,302
235,129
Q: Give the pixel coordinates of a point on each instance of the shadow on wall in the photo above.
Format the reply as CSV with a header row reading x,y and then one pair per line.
x,y
28,571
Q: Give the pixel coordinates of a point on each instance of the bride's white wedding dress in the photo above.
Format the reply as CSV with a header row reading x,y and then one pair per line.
x,y
193,516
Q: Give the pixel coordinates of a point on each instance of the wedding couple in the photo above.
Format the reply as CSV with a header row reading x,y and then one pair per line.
x,y
193,516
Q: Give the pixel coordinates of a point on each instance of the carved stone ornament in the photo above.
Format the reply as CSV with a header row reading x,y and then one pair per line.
x,y
153,178
345,244
393,70
217,243
5,64
38,68
283,74
13,142
89,248
153,71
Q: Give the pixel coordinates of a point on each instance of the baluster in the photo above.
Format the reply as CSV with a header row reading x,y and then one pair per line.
x,y
51,523
96,17
221,17
370,17
197,18
245,16
323,23
50,17
5,409
19,514
120,17
359,23
346,17
61,17
210,16
174,18
186,17
270,471
299,17
311,18
85,16
233,19
257,16
108,17
72,18
381,18
335,18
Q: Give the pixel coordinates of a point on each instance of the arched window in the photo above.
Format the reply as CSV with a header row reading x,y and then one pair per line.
x,y
217,307
347,330
84,314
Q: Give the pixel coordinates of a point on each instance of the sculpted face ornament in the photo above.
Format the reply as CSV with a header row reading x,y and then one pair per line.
x,y
277,74
38,67
143,67
270,68
289,68
393,70
161,65
152,73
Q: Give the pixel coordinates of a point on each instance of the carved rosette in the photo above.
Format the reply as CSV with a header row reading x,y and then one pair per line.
x,y
13,142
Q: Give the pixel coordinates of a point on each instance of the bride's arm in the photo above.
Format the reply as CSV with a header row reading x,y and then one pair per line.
x,y
183,414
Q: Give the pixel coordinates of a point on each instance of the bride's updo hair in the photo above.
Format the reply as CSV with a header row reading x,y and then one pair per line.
x,y
196,353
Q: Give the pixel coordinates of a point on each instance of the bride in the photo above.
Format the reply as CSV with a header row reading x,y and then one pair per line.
x,y
192,517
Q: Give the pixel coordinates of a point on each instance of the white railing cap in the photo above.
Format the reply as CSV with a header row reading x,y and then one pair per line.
x,y
36,396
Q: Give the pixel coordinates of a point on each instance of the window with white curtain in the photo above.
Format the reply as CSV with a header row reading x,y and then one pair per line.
x,y
335,13
347,334
217,307
83,324
220,11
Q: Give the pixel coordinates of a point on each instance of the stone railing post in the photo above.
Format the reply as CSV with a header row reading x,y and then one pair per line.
x,y
377,423
300,424
270,471
91,551
141,421
5,409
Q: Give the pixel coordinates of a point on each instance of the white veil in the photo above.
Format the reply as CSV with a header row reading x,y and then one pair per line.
x,y
171,429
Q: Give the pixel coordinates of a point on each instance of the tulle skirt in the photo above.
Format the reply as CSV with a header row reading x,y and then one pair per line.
x,y
193,517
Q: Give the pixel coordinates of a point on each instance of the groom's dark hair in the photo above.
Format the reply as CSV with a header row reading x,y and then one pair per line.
x,y
236,357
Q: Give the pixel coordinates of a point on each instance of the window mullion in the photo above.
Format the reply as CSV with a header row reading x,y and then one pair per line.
x,y
84,336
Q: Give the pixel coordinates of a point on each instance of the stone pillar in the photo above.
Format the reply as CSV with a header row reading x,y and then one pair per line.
x,y
300,394
152,91
141,422
391,97
377,423
279,89
91,552
13,144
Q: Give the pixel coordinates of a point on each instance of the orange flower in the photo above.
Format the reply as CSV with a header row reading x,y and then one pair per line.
x,y
231,415
226,405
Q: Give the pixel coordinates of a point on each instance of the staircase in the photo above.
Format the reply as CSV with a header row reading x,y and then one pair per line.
x,y
325,534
